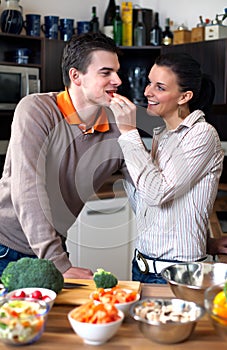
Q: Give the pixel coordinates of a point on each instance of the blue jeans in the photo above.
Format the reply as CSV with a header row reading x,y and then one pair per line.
x,y
137,275
7,255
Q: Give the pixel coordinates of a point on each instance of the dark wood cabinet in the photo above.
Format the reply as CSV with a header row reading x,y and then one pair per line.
x,y
212,55
45,54
135,63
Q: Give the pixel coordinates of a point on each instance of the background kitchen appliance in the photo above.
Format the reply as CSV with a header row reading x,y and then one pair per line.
x,y
15,83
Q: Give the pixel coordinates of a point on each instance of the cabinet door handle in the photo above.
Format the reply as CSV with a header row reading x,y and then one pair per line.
x,y
109,211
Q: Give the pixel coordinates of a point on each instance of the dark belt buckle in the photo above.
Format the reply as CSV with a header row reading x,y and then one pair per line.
x,y
140,256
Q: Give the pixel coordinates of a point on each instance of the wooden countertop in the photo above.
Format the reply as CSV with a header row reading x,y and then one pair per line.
x,y
59,334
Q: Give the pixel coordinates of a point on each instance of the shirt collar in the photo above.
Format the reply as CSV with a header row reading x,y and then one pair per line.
x,y
191,119
71,116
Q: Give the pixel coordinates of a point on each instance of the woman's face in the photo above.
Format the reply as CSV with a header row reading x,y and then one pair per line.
x,y
162,92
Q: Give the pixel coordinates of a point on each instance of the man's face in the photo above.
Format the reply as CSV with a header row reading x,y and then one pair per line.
x,y
101,79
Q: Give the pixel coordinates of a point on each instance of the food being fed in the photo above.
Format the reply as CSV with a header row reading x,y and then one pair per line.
x,y
104,279
115,295
92,312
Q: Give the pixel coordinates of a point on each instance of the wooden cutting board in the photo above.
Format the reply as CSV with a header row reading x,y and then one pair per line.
x,y
80,295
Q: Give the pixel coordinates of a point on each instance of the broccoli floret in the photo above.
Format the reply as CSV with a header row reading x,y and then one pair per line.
x,y
104,279
29,272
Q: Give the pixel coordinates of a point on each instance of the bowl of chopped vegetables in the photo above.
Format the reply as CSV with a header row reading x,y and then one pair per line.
x,y
95,322
215,302
166,321
22,321
122,298
45,294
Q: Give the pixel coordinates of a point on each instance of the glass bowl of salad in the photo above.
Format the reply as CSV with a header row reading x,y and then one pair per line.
x,y
215,302
22,321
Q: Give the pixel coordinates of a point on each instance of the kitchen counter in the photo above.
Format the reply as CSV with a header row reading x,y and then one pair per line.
x,y
59,334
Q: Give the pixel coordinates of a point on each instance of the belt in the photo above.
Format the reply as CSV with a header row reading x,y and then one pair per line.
x,y
151,265
155,265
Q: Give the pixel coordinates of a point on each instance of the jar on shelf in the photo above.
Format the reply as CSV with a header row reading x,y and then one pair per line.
x,y
12,18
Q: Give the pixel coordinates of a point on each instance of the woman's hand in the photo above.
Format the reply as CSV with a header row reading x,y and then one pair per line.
x,y
124,112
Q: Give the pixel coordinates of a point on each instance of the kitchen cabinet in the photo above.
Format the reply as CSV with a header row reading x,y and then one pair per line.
x,y
45,55
103,236
212,55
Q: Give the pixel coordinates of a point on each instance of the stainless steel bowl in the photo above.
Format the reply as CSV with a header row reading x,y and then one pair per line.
x,y
189,281
160,326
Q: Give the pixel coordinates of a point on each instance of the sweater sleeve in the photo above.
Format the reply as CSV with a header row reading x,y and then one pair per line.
x,y
29,144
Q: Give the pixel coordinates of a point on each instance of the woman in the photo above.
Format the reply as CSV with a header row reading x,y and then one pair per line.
x,y
176,185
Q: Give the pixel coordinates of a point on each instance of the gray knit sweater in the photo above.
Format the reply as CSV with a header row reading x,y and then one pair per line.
x,y
51,169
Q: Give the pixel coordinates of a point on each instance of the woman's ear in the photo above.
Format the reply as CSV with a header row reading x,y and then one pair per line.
x,y
185,97
74,76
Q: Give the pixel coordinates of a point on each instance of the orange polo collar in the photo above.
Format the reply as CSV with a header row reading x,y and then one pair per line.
x,y
66,107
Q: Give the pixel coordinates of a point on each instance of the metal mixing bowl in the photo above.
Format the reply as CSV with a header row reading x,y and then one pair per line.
x,y
166,321
189,281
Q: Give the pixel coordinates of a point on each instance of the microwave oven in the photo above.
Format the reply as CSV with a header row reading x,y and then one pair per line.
x,y
15,83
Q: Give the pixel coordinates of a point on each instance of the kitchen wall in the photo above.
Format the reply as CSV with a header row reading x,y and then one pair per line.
x,y
180,11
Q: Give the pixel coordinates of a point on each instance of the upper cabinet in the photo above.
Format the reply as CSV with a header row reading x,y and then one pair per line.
x,y
135,62
212,55
44,54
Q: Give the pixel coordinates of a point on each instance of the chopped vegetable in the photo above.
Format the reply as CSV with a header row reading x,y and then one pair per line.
x,y
220,306
115,295
92,312
34,295
104,279
21,320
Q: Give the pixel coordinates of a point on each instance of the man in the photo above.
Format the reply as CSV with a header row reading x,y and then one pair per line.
x,y
63,147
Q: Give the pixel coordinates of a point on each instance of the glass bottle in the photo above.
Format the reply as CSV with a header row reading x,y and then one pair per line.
x,y
94,22
139,30
167,35
108,26
12,18
156,32
117,23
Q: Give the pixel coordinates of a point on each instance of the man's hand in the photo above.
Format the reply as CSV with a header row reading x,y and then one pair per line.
x,y
78,272
217,246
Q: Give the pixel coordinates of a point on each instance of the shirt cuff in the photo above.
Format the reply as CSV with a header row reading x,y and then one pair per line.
x,y
132,136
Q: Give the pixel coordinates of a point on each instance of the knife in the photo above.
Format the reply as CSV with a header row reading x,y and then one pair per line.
x,y
71,285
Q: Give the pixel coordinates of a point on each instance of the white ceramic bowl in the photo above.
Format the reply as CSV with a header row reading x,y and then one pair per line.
x,y
95,334
124,307
28,294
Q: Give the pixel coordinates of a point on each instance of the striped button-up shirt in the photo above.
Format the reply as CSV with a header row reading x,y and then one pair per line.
x,y
175,187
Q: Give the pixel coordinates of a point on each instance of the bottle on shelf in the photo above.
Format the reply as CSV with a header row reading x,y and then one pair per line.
x,y
117,24
94,22
139,30
108,26
127,23
167,35
156,32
